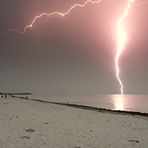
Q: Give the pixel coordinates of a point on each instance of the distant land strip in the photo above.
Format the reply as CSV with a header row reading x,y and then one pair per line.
x,y
15,93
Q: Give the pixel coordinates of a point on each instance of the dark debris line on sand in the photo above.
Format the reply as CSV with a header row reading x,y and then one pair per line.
x,y
103,110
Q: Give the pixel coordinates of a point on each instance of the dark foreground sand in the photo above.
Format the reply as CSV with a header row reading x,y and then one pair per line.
x,y
31,124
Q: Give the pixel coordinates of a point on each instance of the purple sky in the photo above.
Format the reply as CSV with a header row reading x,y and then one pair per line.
x,y
74,54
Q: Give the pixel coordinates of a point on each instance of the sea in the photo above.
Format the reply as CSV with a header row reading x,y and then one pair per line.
x,y
134,103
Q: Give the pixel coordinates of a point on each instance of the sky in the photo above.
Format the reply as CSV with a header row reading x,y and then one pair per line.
x,y
74,54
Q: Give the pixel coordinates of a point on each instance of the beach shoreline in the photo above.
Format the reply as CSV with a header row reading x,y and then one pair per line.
x,y
29,123
103,110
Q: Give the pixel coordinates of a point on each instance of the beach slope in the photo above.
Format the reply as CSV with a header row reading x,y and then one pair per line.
x,y
32,124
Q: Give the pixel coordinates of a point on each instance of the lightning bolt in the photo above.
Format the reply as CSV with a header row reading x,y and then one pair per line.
x,y
121,41
121,31
62,14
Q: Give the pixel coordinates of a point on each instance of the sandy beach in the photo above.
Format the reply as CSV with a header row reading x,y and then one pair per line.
x,y
32,124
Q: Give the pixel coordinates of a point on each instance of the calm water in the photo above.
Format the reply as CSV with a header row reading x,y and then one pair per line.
x,y
138,103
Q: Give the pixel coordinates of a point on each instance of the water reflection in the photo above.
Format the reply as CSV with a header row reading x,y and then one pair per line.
x,y
138,103
118,101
